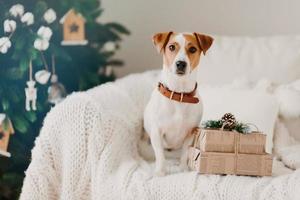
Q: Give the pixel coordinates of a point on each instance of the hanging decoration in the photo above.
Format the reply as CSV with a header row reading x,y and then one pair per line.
x,y
43,76
6,129
56,91
30,91
73,28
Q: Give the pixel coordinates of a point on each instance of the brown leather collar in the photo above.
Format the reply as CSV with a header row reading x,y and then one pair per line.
x,y
185,97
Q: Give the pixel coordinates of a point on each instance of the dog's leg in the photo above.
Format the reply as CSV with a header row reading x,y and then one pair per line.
x,y
156,141
184,154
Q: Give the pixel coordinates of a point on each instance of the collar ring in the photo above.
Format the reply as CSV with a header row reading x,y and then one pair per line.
x,y
171,96
181,97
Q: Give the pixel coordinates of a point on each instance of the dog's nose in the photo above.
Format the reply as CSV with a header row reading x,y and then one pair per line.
x,y
181,65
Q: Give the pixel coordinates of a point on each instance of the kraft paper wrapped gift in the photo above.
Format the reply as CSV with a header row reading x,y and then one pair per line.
x,y
230,163
216,140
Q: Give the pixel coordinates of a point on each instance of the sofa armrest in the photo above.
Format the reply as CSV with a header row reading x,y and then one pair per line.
x,y
127,96
61,150
77,131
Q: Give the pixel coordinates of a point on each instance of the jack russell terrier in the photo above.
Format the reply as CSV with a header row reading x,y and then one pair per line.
x,y
175,108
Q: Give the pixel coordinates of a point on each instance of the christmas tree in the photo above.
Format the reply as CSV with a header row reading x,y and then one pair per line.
x,y
31,49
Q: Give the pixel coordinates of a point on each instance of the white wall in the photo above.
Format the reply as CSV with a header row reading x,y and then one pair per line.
x,y
223,17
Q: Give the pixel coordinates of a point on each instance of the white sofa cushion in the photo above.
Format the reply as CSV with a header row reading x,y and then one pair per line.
x,y
276,58
248,106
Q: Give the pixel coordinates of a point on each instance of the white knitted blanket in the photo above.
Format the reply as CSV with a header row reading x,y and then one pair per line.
x,y
87,149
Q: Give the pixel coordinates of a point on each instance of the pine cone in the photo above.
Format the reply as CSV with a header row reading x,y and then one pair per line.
x,y
229,120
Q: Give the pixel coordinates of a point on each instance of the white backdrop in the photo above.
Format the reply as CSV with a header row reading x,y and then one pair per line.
x,y
227,17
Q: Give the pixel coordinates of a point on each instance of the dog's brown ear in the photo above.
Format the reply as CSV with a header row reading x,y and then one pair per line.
x,y
204,41
160,40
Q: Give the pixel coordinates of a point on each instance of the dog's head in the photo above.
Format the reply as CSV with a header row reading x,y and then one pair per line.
x,y
181,51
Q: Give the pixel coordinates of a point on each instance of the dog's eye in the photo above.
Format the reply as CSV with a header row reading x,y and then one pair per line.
x,y
172,47
192,49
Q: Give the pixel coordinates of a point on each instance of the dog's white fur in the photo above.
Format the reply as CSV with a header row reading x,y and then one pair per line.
x,y
169,122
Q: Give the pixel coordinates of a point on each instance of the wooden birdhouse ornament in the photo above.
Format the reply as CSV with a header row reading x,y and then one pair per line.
x,y
73,28
6,129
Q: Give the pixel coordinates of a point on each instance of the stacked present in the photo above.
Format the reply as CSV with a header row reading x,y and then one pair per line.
x,y
227,151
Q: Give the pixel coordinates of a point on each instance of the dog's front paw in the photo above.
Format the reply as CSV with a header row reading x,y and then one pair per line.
x,y
160,167
184,167
159,172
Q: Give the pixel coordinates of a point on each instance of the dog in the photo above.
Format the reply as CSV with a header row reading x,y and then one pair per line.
x,y
175,107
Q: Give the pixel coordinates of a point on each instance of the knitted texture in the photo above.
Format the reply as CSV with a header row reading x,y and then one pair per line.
x,y
286,147
87,149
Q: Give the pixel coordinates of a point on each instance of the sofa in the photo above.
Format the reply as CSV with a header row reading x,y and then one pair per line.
x,y
90,148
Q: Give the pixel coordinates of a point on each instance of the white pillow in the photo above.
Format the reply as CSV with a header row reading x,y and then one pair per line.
x,y
247,105
293,127
288,96
276,58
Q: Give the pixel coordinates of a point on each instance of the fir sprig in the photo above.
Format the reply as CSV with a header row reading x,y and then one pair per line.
x,y
217,124
212,124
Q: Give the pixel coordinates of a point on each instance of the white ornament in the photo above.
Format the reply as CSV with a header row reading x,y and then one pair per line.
x,y
5,44
109,46
45,32
31,95
50,16
17,10
2,117
42,76
41,44
9,26
28,18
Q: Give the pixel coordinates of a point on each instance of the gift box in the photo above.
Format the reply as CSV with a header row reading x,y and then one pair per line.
x,y
227,147
217,140
230,163
237,153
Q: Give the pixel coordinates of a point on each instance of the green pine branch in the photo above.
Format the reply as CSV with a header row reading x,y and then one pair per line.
x,y
217,124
